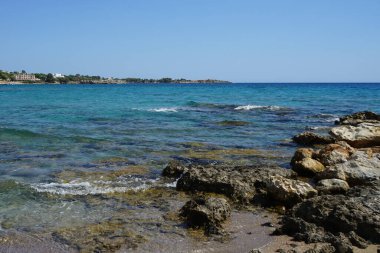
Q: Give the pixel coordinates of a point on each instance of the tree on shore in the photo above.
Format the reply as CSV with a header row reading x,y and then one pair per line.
x,y
50,78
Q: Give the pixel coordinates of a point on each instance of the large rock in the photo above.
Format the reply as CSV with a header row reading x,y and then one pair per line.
x,y
239,183
360,168
174,169
289,191
206,213
308,167
310,138
334,153
340,220
301,154
332,186
359,117
359,136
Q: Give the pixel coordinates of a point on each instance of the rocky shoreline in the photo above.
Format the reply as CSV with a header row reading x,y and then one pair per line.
x,y
330,197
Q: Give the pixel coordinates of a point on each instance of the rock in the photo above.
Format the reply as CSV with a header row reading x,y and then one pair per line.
x,y
359,117
332,186
359,169
359,136
174,169
233,123
238,183
331,173
321,249
334,153
289,191
310,138
208,214
340,220
308,166
301,154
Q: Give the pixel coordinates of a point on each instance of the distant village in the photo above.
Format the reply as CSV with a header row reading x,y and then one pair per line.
x,y
56,78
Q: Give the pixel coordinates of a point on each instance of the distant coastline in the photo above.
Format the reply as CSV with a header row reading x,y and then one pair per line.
x,y
23,77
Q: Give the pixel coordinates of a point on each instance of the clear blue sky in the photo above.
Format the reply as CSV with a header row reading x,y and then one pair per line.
x,y
237,40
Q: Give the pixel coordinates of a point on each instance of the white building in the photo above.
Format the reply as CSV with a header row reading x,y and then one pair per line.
x,y
57,75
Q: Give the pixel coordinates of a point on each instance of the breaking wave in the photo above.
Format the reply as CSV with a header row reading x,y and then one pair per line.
x,y
263,107
96,187
164,109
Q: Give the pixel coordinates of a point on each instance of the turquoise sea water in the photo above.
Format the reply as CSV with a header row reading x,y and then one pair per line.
x,y
47,129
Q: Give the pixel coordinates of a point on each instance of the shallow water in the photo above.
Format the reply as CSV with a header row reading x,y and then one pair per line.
x,y
61,144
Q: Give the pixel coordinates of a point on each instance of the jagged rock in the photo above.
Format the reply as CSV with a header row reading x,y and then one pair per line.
x,y
334,153
289,191
331,173
174,169
360,168
340,220
208,214
308,166
359,117
321,249
301,154
310,138
332,186
239,183
358,136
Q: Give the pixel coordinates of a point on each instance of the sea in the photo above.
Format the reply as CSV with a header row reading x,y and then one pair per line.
x,y
76,155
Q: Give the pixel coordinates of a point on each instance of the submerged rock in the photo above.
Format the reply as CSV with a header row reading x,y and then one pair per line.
x,y
208,214
310,138
332,186
239,183
289,191
358,136
233,123
359,117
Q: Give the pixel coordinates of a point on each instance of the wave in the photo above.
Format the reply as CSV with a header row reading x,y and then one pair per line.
x,y
261,107
215,107
325,117
94,188
164,109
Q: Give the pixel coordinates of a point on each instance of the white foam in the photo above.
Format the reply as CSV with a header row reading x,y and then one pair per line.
x,y
164,109
93,188
253,107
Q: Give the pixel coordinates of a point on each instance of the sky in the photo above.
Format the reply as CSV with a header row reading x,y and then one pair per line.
x,y
235,40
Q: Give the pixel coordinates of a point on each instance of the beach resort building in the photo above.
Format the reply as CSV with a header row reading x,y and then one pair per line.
x,y
26,77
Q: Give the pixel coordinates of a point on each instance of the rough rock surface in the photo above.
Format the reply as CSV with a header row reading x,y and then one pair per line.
x,y
332,186
340,220
208,214
239,183
310,138
289,191
308,166
334,153
359,117
174,169
359,169
301,154
358,136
